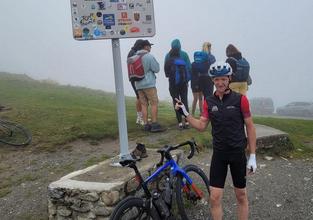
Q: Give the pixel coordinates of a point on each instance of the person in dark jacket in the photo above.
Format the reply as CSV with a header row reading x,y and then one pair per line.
x,y
137,46
232,127
180,90
236,85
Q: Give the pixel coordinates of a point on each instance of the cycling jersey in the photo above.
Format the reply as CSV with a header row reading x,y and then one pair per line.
x,y
227,119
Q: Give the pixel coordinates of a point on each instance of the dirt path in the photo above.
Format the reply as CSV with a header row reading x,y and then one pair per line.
x,y
281,189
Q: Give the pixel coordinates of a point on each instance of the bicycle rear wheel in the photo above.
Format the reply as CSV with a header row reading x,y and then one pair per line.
x,y
189,204
14,134
133,208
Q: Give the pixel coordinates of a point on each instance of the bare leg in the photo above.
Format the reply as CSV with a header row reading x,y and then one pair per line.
x,y
154,112
144,110
200,102
242,203
194,102
216,195
138,105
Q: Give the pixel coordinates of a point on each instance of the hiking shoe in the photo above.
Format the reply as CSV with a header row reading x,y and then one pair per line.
x,y
156,127
147,127
139,152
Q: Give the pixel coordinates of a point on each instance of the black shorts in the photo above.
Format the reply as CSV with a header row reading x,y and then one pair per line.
x,y
219,164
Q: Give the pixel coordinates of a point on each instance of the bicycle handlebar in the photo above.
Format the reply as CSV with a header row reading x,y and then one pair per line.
x,y
165,151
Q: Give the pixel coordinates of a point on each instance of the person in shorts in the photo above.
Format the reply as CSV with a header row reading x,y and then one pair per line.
x,y
147,88
230,118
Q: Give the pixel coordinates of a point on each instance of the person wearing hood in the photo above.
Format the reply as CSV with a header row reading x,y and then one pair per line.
x,y
147,87
177,58
137,46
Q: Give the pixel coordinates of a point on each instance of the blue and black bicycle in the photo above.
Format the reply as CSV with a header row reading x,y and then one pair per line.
x,y
188,185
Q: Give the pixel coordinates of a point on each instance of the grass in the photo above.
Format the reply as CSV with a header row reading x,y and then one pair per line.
x,y
58,115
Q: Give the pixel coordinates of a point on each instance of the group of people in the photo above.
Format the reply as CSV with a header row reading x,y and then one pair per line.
x,y
227,109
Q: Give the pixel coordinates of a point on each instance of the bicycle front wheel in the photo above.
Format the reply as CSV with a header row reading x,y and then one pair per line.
x,y
14,134
134,208
193,200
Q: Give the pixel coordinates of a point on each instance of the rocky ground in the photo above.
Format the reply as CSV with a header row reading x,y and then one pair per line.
x,y
281,189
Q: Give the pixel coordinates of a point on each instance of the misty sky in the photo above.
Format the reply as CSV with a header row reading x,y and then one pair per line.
x,y
276,37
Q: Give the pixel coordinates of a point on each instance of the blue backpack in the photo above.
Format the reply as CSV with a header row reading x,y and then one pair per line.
x,y
243,68
182,74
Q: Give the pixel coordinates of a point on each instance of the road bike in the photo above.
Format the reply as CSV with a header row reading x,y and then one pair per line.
x,y
188,185
14,134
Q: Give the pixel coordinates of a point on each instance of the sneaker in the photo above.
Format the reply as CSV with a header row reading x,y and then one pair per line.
x,y
180,126
147,127
139,121
186,126
156,127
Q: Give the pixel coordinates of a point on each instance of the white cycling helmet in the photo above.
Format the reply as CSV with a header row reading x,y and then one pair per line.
x,y
220,69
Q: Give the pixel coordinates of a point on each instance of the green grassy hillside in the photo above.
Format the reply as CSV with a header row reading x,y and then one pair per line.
x,y
60,114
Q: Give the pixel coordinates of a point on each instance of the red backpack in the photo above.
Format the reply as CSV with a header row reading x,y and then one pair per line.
x,y
135,68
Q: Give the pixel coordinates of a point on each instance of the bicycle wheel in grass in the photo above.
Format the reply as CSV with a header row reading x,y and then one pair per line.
x,y
189,204
134,208
14,134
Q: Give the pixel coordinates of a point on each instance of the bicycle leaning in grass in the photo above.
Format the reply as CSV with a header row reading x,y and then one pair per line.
x,y
189,185
14,134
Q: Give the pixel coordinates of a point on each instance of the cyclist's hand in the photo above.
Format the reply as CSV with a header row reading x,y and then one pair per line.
x,y
180,107
251,165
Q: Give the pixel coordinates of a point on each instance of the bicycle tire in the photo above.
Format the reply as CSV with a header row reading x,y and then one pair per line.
x,y
188,205
134,208
14,134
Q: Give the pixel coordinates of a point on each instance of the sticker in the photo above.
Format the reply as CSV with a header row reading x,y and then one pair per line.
x,y
86,32
126,27
93,7
99,22
121,6
99,14
87,19
74,4
113,0
101,5
149,30
108,19
148,17
75,11
122,32
124,15
78,33
134,29
112,32
138,4
131,6
136,16
97,32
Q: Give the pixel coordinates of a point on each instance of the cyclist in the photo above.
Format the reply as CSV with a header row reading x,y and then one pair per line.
x,y
229,114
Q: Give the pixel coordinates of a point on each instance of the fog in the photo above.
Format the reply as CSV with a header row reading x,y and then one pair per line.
x,y
276,37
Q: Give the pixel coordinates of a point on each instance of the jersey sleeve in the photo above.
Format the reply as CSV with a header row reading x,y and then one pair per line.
x,y
245,107
205,110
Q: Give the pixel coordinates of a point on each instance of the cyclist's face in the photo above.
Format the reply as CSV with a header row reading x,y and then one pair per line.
x,y
221,83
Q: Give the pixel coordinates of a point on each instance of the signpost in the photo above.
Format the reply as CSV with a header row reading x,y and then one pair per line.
x,y
114,19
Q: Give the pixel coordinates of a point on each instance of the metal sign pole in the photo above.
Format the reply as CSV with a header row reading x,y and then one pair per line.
x,y
122,125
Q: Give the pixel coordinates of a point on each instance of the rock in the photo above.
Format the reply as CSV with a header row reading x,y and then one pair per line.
x,y
52,208
278,205
110,198
91,197
307,179
64,211
55,193
102,211
81,207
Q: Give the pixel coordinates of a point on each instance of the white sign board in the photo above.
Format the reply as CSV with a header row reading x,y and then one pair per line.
x,y
108,19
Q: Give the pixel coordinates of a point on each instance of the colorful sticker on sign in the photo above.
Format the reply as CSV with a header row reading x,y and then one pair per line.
x,y
108,20
101,5
122,6
124,14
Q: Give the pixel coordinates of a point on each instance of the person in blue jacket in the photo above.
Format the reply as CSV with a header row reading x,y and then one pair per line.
x,y
177,91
